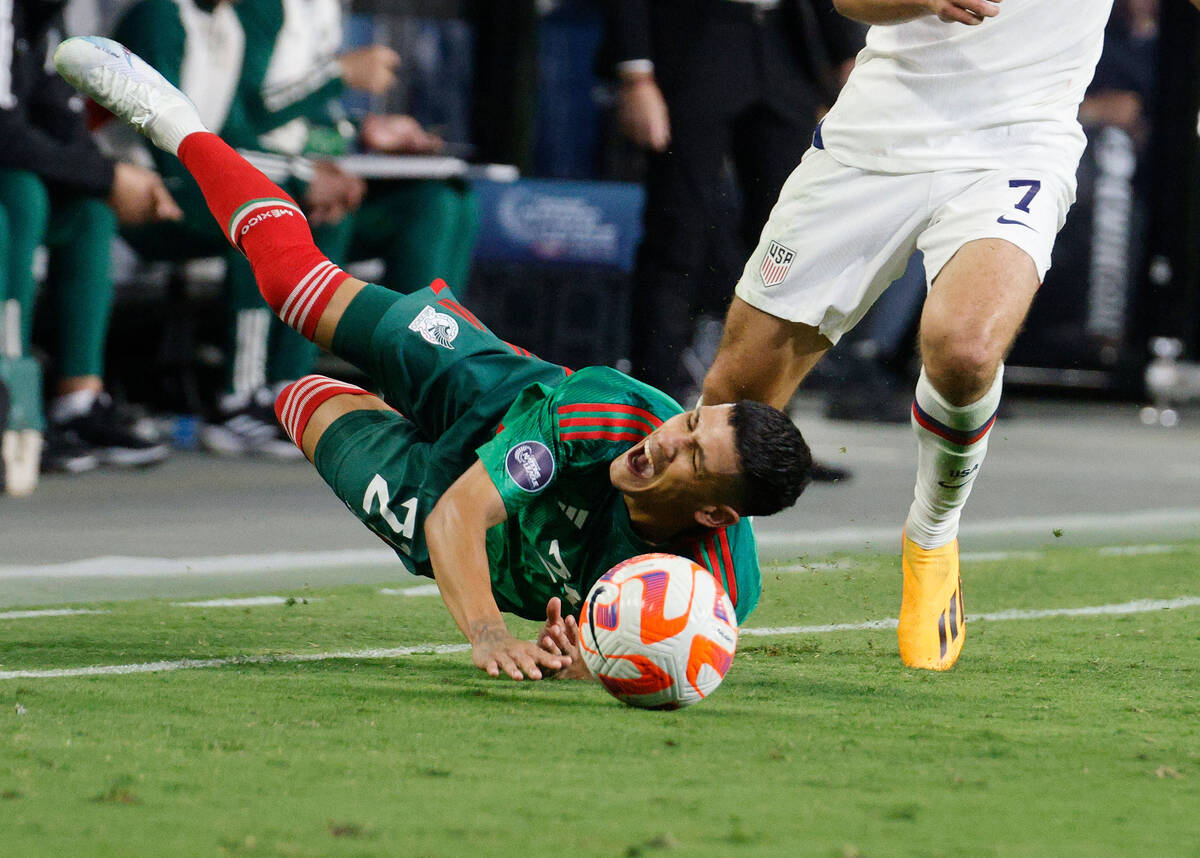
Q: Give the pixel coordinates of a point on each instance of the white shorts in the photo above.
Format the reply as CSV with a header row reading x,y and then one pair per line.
x,y
838,236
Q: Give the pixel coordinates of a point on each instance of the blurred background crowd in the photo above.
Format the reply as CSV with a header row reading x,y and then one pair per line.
x,y
588,175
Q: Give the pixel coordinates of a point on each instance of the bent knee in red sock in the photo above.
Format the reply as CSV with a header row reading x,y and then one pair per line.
x,y
298,401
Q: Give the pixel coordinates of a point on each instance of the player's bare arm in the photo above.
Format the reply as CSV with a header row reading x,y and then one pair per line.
x,y
455,534
968,12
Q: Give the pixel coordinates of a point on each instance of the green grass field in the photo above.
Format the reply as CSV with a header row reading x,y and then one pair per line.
x,y
1054,736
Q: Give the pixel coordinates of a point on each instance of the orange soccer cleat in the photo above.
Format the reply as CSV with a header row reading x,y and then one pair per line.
x,y
932,623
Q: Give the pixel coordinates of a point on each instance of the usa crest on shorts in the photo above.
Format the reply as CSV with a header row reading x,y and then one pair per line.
x,y
776,262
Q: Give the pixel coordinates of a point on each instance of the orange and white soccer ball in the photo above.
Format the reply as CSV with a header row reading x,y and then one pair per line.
x,y
659,631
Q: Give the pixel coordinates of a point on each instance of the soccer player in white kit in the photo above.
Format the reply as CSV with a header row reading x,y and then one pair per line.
x,y
956,134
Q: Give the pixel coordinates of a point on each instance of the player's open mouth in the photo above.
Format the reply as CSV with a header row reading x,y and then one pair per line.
x,y
639,461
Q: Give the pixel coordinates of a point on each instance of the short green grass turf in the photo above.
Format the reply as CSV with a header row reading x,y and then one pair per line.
x,y
1058,736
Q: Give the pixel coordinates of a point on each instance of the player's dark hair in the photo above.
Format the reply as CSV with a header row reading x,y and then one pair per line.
x,y
776,462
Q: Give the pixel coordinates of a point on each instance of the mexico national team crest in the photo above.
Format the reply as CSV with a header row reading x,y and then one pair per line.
x,y
531,465
435,328
776,262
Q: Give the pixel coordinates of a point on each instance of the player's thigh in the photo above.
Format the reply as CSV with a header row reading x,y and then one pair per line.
x,y
1023,207
834,241
435,361
176,241
761,357
986,252
973,313
27,202
80,225
380,465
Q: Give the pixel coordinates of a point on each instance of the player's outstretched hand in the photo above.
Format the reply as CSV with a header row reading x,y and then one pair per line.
x,y
495,650
968,12
560,635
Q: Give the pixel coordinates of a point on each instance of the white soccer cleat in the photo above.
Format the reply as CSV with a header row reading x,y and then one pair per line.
x,y
121,81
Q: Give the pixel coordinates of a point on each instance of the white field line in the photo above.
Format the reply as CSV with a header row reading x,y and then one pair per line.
x,y
999,556
48,612
1130,550
1139,606
193,663
247,602
1043,525
816,566
153,567
420,590
813,542
966,557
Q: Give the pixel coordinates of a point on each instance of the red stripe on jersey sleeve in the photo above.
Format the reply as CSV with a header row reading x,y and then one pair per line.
x,y
461,311
601,407
598,435
722,540
610,422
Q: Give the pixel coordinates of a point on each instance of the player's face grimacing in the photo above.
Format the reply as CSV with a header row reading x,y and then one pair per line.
x,y
682,474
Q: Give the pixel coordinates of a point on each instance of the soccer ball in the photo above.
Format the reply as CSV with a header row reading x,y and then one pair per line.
x,y
659,631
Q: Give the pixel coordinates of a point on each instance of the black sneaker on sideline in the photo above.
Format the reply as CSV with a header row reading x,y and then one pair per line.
x,y
250,430
116,436
65,453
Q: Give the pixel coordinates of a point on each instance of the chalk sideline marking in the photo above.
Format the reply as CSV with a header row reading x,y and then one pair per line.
x,y
152,567
1135,607
247,602
420,590
1139,606
1091,524
845,565
47,612
193,663
816,543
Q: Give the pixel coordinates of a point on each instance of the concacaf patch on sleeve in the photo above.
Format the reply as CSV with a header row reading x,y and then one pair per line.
x,y
776,262
530,465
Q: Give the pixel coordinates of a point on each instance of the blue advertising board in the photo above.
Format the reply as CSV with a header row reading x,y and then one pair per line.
x,y
547,221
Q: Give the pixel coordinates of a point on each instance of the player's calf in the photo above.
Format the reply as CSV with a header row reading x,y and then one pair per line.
x,y
267,226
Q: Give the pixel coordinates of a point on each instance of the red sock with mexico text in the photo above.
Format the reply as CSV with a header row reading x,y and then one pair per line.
x,y
267,226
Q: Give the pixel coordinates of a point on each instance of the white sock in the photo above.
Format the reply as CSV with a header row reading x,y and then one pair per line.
x,y
951,443
10,328
250,351
71,405
172,125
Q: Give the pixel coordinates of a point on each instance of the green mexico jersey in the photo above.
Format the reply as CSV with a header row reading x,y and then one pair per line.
x,y
567,525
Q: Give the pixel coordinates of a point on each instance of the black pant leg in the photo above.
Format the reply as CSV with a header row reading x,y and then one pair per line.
x,y
681,221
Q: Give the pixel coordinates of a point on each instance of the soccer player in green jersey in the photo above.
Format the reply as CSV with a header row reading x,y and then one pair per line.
x,y
513,482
